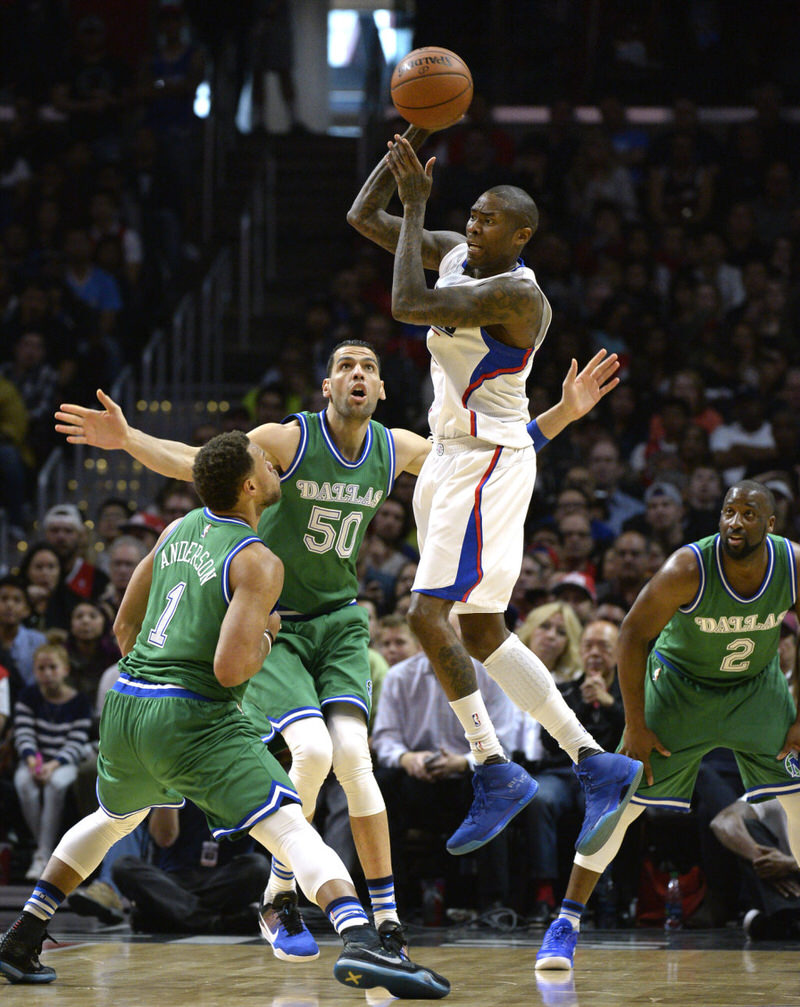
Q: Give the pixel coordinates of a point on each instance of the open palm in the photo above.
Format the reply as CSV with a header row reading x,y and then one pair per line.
x,y
581,392
101,428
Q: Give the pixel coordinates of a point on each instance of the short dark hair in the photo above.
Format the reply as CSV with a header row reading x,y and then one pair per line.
x,y
350,342
520,205
220,467
753,486
9,580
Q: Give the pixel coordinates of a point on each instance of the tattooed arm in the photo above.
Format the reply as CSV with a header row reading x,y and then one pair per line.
x,y
514,306
369,217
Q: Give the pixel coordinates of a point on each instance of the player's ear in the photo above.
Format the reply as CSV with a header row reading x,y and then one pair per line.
x,y
524,235
326,387
382,392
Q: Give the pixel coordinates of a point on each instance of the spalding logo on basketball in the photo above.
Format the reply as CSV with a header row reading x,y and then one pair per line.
x,y
431,87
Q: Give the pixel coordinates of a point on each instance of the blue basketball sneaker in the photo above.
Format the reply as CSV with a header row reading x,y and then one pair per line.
x,y
501,791
558,946
282,926
609,781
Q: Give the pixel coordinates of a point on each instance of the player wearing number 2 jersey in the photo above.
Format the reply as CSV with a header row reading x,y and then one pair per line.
x,y
712,679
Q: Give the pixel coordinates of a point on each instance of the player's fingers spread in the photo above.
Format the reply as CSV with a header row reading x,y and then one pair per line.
x,y
609,387
69,412
76,440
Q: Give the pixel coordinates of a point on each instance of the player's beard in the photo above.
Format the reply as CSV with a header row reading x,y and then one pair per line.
x,y
746,548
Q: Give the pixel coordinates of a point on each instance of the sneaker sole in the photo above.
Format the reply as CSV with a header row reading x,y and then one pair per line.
x,y
553,962
15,976
514,810
283,955
599,835
422,985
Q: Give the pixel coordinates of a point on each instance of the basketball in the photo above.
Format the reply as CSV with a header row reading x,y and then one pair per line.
x,y
431,87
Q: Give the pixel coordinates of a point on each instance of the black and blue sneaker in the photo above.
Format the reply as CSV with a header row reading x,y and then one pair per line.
x,y
609,781
366,963
501,791
282,926
20,947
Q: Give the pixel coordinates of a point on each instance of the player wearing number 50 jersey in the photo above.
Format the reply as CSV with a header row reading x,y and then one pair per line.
x,y
712,679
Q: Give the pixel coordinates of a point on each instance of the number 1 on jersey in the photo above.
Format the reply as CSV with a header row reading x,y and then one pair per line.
x,y
158,634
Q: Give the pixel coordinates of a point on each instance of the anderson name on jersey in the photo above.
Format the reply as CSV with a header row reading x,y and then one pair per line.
x,y
479,382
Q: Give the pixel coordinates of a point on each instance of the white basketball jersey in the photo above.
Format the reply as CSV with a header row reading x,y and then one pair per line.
x,y
479,382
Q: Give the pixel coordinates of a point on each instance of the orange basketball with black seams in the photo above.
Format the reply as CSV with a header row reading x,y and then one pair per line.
x,y
431,87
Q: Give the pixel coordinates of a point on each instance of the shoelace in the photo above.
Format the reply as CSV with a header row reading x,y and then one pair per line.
x,y
291,919
555,934
479,800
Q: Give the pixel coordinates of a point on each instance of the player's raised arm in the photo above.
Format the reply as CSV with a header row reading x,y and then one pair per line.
x,y
108,428
368,214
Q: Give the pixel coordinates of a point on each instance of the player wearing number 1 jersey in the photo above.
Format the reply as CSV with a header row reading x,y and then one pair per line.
x,y
712,679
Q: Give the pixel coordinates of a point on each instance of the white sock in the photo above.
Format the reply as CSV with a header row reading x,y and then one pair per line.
x,y
281,879
528,683
478,727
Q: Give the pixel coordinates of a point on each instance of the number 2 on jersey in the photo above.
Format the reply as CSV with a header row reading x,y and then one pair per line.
x,y
158,634
740,651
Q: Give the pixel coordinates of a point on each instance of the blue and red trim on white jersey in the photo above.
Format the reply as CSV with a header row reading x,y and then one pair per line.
x,y
500,359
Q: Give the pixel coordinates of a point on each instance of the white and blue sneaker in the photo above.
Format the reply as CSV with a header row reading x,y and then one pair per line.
x,y
282,926
558,947
502,790
609,781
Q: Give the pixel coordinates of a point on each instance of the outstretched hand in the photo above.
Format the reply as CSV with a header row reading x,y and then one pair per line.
x,y
101,428
413,181
581,392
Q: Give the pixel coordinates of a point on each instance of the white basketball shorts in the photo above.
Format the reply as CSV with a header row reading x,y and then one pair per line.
x,y
470,505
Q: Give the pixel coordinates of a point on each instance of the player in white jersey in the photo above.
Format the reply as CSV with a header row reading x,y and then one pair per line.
x,y
488,317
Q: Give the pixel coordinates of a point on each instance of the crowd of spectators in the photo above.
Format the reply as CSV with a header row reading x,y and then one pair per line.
x,y
99,155
676,248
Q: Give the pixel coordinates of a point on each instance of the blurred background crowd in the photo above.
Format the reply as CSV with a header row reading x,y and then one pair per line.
x,y
672,240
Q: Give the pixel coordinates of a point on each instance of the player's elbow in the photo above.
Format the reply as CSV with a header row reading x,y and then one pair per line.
x,y
228,671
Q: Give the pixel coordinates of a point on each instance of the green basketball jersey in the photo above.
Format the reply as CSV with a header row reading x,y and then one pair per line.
x,y
325,507
189,596
721,638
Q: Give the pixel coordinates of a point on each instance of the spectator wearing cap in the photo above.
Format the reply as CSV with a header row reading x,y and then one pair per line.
x,y
65,532
663,516
746,441
606,469
145,527
578,591
595,698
